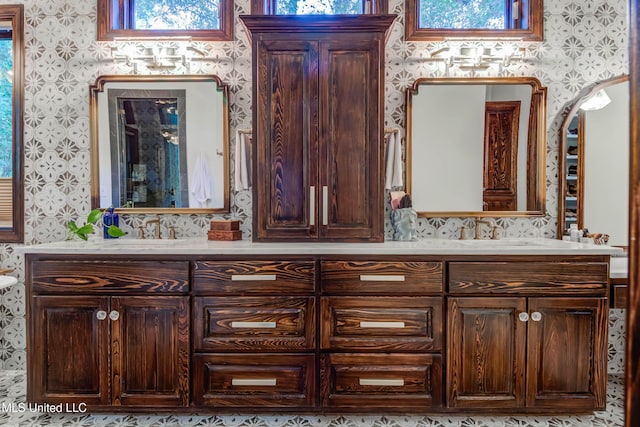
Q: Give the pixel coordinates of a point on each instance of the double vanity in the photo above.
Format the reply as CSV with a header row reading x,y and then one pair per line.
x,y
514,326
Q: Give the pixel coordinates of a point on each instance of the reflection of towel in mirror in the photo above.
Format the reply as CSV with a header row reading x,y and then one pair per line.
x,y
242,175
393,161
201,182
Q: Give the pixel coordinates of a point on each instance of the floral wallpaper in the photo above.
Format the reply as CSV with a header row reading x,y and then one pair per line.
x,y
585,41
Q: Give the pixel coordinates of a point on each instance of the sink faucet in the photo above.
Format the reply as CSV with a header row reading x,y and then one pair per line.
x,y
489,222
146,222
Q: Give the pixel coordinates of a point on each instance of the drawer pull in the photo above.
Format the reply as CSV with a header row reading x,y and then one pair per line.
x,y
381,278
247,277
536,316
398,325
325,205
101,315
523,317
262,325
382,382
254,381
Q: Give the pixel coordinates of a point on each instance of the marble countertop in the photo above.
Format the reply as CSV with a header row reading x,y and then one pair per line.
x,y
202,246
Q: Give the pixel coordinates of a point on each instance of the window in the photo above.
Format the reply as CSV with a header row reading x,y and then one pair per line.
x,y
318,7
11,123
198,19
441,19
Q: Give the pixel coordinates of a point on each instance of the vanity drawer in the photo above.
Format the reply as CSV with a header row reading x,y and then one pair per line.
x,y
381,323
390,381
254,380
109,277
371,277
246,277
577,278
254,323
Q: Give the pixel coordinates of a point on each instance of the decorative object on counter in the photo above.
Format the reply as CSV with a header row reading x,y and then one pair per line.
x,y
108,219
403,216
574,233
225,230
599,238
83,231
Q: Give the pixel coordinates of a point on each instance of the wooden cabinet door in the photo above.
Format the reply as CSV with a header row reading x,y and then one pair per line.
x,y
286,123
567,353
150,351
68,355
486,356
350,138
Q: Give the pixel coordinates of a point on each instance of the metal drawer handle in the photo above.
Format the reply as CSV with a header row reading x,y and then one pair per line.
x,y
398,325
536,316
381,278
382,381
247,277
114,315
263,325
254,381
325,205
312,205
523,317
101,315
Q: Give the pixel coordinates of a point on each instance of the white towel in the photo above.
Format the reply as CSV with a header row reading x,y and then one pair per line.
x,y
393,161
242,175
201,181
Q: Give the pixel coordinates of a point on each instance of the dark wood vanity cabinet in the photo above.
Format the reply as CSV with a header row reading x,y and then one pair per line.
x,y
98,336
516,339
318,127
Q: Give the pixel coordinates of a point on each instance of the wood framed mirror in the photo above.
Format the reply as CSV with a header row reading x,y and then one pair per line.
x,y
476,147
594,161
160,144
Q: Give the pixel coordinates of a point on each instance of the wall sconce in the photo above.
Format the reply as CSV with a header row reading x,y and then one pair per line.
x,y
157,57
478,57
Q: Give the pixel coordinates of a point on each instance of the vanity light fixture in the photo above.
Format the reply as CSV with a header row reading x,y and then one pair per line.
x,y
166,53
597,101
479,57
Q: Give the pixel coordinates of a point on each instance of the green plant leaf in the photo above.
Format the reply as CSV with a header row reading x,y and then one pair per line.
x,y
94,216
82,236
86,229
115,231
71,225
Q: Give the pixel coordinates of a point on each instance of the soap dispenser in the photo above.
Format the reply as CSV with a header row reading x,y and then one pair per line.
x,y
109,218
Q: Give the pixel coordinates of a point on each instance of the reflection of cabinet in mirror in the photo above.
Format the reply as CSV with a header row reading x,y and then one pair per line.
x,y
484,156
160,143
318,126
594,151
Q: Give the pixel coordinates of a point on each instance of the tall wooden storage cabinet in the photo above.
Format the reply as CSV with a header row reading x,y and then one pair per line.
x,y
318,123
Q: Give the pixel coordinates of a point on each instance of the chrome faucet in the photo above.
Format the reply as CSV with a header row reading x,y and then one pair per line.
x,y
491,223
156,221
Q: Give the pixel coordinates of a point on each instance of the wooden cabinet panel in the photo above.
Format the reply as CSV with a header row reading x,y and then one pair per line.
x,y
395,382
380,278
150,351
578,278
68,357
381,323
254,277
567,354
486,344
254,380
109,277
259,324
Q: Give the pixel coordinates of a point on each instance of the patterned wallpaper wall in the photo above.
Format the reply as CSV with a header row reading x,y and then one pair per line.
x,y
585,41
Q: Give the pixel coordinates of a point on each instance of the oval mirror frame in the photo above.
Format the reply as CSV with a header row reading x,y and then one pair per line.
x,y
563,146
99,87
536,152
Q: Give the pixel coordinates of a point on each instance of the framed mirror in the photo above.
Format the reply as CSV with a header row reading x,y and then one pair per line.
x,y
476,147
594,160
160,144
11,125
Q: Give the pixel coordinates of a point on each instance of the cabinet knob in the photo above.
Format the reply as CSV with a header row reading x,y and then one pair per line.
x,y
101,315
114,315
523,317
536,316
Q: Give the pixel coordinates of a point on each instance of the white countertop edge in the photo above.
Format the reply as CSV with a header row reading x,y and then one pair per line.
x,y
619,268
202,246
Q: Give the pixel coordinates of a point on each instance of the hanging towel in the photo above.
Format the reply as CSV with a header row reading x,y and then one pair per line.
x,y
242,175
201,181
393,161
